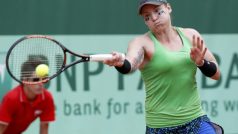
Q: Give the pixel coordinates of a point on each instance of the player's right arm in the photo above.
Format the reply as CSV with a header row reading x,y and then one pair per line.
x,y
6,110
134,55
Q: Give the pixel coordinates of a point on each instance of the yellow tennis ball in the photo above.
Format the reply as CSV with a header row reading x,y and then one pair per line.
x,y
42,70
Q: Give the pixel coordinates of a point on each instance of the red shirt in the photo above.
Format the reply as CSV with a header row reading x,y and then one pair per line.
x,y
19,113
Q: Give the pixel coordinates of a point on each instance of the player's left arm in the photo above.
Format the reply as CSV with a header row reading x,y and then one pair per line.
x,y
201,55
44,127
3,127
48,114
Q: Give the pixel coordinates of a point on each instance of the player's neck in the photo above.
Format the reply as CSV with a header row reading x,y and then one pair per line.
x,y
166,35
29,95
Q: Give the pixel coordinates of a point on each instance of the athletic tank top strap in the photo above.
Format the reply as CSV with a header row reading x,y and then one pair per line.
x,y
185,40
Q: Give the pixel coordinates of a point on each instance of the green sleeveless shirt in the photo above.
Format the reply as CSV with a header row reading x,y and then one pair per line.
x,y
172,97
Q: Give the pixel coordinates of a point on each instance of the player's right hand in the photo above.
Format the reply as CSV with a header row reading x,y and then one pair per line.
x,y
116,60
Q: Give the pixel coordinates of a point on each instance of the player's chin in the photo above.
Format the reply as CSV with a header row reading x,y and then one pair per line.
x,y
38,90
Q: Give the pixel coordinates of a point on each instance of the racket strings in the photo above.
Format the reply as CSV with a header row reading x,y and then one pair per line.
x,y
29,53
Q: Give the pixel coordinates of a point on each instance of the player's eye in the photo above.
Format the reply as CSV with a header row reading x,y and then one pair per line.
x,y
35,79
157,10
147,17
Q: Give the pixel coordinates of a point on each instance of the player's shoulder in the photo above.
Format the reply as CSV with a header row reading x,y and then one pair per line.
x,y
13,94
48,98
189,31
140,39
47,94
11,97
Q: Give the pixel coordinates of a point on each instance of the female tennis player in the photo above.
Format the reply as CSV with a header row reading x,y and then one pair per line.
x,y
168,57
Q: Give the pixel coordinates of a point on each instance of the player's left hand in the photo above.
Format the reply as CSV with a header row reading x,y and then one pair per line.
x,y
198,51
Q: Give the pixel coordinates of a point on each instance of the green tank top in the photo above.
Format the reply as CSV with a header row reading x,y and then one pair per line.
x,y
172,97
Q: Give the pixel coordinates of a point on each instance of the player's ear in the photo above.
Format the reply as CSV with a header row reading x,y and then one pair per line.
x,y
169,7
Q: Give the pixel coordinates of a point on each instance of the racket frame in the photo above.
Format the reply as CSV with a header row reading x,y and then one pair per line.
x,y
84,58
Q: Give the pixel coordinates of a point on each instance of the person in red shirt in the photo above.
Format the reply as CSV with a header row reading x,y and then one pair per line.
x,y
25,103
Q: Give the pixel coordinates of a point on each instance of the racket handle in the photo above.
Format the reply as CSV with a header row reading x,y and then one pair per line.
x,y
102,57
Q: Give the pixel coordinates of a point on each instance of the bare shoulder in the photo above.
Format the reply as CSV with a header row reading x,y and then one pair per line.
x,y
140,40
189,32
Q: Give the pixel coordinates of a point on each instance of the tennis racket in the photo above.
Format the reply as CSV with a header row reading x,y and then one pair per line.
x,y
30,51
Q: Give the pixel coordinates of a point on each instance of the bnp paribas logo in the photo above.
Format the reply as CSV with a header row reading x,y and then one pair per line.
x,y
5,79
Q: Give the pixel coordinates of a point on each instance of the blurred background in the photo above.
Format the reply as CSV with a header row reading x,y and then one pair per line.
x,y
94,98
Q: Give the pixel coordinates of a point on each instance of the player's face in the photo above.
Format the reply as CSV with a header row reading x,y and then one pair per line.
x,y
156,17
35,88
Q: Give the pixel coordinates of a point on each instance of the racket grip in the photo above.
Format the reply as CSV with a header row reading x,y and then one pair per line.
x,y
102,57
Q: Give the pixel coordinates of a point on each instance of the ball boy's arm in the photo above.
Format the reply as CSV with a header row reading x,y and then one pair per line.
x,y
2,128
44,127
